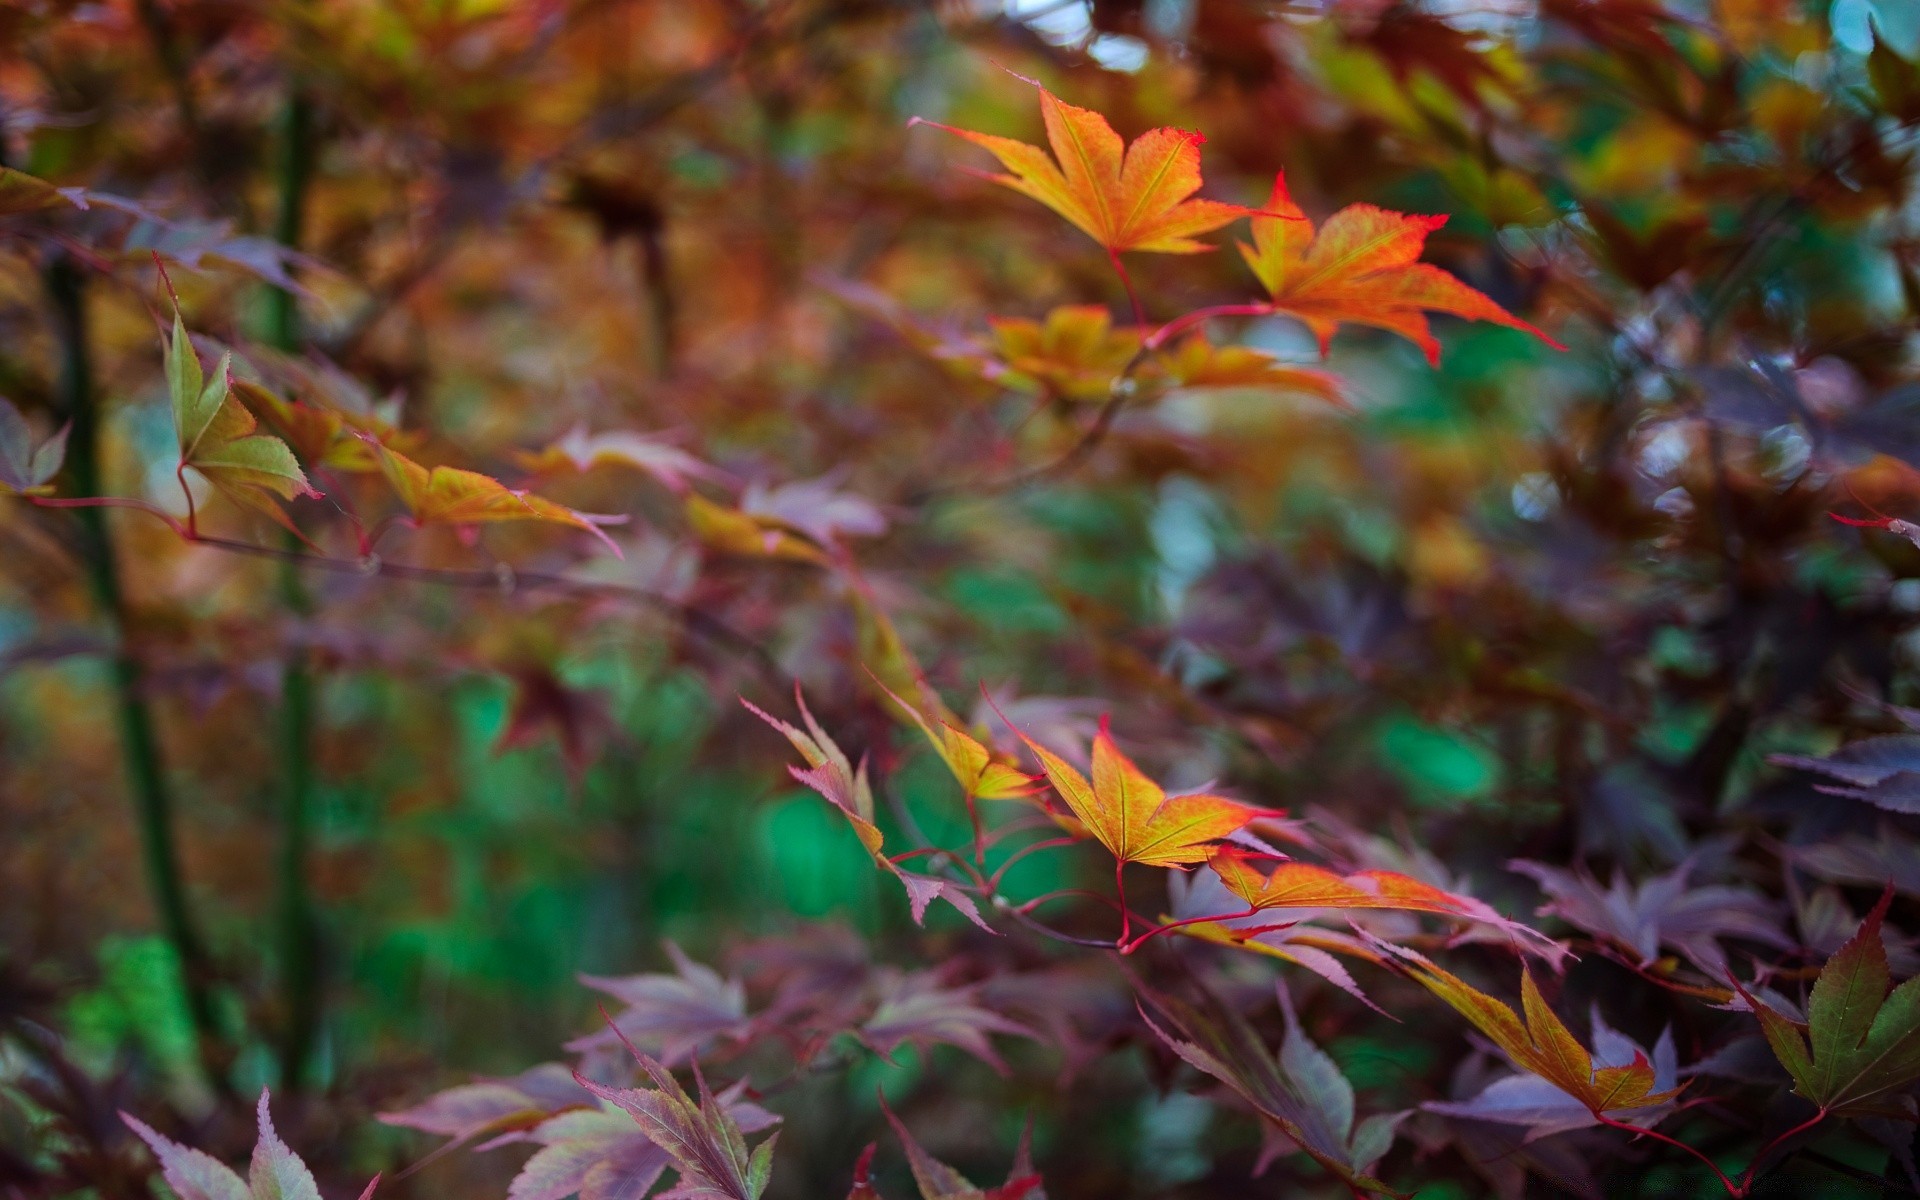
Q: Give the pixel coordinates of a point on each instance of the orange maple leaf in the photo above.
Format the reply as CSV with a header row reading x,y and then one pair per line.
x,y
1362,267
1134,197
1538,1041
451,496
1131,815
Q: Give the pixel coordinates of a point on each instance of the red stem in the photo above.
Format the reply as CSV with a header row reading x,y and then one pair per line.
x,y
1165,333
180,476
1746,1179
1183,922
1126,281
1126,915
1733,1189
1022,852
152,510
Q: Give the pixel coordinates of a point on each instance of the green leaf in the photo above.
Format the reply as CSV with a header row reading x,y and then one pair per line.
x,y
1860,1045
195,404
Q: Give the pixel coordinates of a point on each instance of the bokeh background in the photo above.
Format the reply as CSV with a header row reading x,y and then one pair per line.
x,y
1524,604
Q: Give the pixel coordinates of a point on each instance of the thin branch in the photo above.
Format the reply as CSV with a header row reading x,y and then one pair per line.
x,y
500,579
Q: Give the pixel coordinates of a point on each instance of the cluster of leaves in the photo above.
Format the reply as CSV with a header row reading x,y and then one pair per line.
x,y
1421,629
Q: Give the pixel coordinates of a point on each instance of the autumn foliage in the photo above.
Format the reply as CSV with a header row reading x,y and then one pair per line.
x,y
720,601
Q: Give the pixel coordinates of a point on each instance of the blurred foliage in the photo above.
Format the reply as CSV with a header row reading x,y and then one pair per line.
x,y
1569,635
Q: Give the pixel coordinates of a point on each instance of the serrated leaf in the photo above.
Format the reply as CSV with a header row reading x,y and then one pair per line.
x,y
705,1140
1361,268
938,1181
830,773
1131,816
1860,1044
451,496
581,451
1537,1040
275,1173
1074,354
1124,197
737,532
1301,1093
1198,363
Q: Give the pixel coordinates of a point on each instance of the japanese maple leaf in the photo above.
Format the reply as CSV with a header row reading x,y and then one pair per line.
x,y
1199,364
938,1181
1362,267
736,531
1663,910
217,437
919,1009
1883,771
578,717
1132,816
1860,1045
502,1110
583,451
27,466
451,496
704,1140
673,1015
1074,354
1301,1092
833,775
276,1172
1537,1040
979,772
1543,1109
604,1154
1202,894
1134,197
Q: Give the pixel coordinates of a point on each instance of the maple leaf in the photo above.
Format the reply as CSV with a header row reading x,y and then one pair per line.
x,y
829,772
603,1154
217,438
500,1109
581,451
276,1172
1202,894
704,1140
1361,268
1197,363
451,496
578,717
1294,884
1132,816
1124,197
938,1181
1301,1093
1075,354
27,467
1660,911
1883,771
1540,1041
1860,1044
817,508
917,1009
979,772
735,531
1544,1109
674,1016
